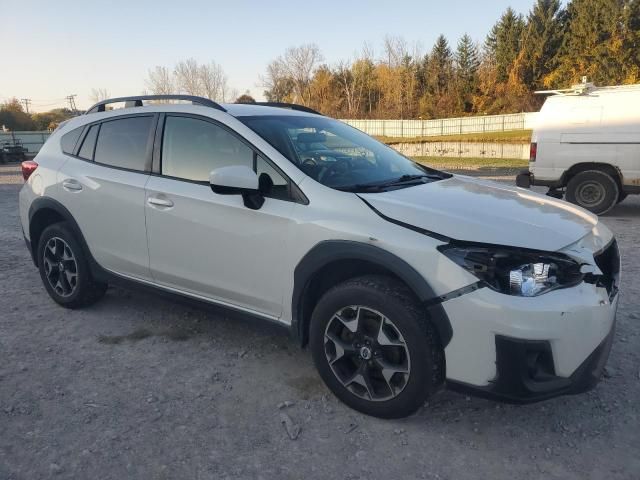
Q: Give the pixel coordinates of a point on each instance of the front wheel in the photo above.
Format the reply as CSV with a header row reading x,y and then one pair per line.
x,y
374,347
593,190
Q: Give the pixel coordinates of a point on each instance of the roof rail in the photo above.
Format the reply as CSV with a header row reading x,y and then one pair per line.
x,y
290,106
137,101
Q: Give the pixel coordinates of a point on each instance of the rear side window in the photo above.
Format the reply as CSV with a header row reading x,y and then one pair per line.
x,y
89,143
69,140
123,143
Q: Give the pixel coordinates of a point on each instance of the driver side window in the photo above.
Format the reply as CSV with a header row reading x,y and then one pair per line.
x,y
192,148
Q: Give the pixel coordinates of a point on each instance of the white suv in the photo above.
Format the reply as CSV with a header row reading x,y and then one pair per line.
x,y
400,278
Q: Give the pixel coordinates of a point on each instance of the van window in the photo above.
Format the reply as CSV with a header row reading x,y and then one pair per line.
x,y
69,140
123,142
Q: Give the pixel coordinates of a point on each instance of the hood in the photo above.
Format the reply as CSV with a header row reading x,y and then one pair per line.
x,y
466,208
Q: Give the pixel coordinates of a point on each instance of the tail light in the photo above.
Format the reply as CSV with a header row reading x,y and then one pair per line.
x,y
533,152
28,167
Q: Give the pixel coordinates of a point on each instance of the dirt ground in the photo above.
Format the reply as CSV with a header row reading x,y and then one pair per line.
x,y
141,387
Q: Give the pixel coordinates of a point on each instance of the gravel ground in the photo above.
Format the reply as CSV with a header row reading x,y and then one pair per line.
x,y
140,387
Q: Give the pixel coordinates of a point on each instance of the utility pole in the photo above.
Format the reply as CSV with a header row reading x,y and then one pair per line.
x,y
72,102
27,102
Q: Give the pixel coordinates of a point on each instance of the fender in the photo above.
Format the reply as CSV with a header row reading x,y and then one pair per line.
x,y
335,250
48,203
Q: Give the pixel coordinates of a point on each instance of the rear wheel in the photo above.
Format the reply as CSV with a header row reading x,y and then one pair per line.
x,y
374,347
593,190
621,196
64,269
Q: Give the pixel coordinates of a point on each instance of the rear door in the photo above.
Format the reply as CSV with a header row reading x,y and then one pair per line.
x,y
102,185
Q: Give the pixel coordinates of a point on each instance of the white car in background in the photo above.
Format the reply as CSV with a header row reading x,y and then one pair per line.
x,y
586,146
400,278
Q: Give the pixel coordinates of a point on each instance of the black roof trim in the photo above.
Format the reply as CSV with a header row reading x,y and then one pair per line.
x,y
290,106
137,101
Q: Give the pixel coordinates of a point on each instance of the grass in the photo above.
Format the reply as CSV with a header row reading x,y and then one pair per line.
x,y
480,164
517,136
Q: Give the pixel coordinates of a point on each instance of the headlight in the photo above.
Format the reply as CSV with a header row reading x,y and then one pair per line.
x,y
515,271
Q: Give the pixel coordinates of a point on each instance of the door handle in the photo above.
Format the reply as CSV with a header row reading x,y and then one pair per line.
x,y
71,185
159,202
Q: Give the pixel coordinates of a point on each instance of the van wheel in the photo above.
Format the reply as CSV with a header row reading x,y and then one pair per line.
x,y
593,190
64,268
622,196
374,347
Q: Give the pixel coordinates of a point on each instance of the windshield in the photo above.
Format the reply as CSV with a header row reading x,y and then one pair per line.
x,y
337,155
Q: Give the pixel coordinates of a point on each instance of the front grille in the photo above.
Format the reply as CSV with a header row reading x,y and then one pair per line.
x,y
608,260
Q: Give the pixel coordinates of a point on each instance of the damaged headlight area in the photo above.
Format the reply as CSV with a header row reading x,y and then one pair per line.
x,y
515,271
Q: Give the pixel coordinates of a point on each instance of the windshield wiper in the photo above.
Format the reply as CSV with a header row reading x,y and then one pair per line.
x,y
400,181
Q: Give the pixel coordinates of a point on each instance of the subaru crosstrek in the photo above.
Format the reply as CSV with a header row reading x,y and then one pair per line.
x,y
400,278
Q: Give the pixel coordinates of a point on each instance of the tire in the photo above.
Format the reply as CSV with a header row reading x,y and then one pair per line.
x,y
621,196
404,364
593,190
64,268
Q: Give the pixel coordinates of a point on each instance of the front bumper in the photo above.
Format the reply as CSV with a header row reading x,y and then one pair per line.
x,y
525,372
524,350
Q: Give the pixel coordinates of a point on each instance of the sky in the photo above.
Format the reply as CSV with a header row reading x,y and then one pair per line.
x,y
56,48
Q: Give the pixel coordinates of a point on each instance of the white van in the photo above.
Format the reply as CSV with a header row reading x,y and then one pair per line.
x,y
586,145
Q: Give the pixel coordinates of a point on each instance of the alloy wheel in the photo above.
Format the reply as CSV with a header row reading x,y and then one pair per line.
x,y
367,353
60,267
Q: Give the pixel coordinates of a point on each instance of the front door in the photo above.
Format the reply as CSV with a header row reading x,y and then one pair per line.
x,y
211,245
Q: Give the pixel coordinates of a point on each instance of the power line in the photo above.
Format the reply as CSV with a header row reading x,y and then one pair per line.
x,y
26,102
72,102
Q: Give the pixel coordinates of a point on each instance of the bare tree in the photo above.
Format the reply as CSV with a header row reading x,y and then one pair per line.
x,y
395,49
213,82
99,94
188,77
347,81
278,85
299,63
160,81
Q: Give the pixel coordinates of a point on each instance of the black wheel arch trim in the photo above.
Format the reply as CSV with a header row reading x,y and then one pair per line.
x,y
48,203
329,251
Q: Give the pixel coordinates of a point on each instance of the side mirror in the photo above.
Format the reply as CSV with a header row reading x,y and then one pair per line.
x,y
237,180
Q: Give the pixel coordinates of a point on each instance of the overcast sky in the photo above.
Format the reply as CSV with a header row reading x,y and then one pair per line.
x,y
55,48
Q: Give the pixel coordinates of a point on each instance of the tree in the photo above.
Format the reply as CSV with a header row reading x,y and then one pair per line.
x,y
631,47
51,119
299,63
98,94
438,98
212,82
467,63
160,81
188,75
503,42
593,44
245,98
13,116
277,83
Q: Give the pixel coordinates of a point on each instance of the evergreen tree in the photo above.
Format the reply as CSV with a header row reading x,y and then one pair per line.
x,y
440,65
541,42
631,47
593,44
467,64
503,42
